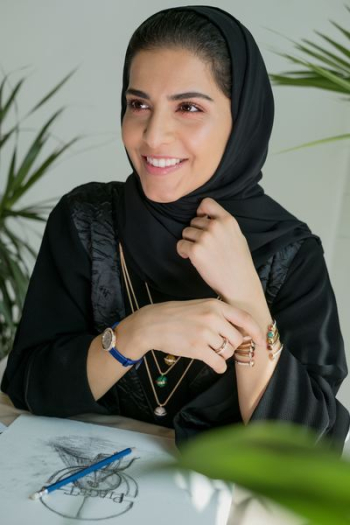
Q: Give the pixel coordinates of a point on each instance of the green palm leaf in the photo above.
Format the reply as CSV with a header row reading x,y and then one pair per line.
x,y
52,92
276,460
327,58
6,306
332,74
15,276
335,44
325,54
16,252
316,142
19,246
15,179
343,85
42,170
344,31
4,109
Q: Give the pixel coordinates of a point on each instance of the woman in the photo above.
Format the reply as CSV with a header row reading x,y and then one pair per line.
x,y
244,323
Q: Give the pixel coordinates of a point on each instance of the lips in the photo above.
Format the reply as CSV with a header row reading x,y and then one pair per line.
x,y
161,157
154,170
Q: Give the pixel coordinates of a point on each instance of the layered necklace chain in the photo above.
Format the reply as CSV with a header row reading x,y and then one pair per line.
x,y
170,360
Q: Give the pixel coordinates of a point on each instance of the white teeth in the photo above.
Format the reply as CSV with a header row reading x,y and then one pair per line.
x,y
162,163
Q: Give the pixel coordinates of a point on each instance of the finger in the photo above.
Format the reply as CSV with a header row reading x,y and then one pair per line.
x,y
209,206
200,222
224,329
245,321
183,248
192,234
216,362
232,333
218,343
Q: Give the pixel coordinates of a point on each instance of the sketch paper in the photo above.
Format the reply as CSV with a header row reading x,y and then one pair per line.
x,y
36,451
2,427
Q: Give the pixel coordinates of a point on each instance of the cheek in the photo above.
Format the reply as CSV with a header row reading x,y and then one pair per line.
x,y
199,141
125,133
129,132
207,147
219,138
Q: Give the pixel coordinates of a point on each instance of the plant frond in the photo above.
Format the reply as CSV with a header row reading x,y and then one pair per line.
x,y
327,58
4,109
53,91
345,136
34,177
335,44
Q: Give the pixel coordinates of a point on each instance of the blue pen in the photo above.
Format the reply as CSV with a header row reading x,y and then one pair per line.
x,y
95,466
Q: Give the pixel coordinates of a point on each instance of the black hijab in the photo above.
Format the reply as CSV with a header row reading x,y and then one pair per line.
x,y
149,230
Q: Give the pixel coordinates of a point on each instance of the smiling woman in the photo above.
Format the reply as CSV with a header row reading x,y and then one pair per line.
x,y
184,296
190,129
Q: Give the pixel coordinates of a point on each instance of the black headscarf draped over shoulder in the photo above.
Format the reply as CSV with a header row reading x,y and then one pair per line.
x,y
149,230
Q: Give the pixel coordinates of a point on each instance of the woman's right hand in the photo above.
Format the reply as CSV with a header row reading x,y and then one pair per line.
x,y
195,328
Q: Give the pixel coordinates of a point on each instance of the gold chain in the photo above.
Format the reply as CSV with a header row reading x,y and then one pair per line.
x,y
129,284
152,351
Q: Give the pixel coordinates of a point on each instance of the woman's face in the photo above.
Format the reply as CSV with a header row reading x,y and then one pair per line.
x,y
175,111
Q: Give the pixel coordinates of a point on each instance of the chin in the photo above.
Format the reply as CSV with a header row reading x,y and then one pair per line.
x,y
155,197
159,196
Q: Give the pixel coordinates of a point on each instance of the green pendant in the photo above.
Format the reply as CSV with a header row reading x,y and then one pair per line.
x,y
161,381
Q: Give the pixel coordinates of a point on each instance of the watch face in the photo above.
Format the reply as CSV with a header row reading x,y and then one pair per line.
x,y
107,338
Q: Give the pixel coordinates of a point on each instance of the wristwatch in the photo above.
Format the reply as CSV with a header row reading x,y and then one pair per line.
x,y
108,344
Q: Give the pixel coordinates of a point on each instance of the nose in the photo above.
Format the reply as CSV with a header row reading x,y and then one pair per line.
x,y
158,130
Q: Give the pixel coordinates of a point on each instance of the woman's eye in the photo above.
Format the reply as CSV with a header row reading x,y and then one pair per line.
x,y
190,105
135,105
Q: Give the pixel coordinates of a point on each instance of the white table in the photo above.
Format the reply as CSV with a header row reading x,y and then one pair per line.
x,y
246,509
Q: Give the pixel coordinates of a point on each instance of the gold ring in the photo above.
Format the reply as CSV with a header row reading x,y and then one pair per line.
x,y
222,348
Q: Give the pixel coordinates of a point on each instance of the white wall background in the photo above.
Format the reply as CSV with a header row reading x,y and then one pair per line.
x,y
45,39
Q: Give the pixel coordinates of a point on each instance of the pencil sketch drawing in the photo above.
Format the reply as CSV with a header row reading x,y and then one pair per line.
x,y
112,484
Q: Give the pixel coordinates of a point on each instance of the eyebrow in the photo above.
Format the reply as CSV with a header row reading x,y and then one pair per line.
x,y
178,96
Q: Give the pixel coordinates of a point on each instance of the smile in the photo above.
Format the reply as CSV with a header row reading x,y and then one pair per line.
x,y
162,162
162,166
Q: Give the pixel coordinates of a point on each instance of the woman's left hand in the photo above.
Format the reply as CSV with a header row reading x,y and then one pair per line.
x,y
220,253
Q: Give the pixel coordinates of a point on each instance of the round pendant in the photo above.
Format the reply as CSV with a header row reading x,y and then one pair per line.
x,y
170,359
160,411
161,381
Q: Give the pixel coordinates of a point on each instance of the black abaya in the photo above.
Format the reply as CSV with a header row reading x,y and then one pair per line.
x,y
46,371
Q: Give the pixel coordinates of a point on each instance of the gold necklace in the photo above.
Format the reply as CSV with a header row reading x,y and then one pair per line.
x,y
159,410
170,360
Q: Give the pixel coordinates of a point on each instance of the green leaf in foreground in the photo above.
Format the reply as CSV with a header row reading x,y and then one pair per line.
x,y
277,460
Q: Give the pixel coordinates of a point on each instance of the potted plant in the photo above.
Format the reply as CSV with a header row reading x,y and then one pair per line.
x,y
332,73
17,178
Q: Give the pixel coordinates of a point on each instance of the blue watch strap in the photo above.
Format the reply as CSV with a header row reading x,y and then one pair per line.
x,y
125,361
